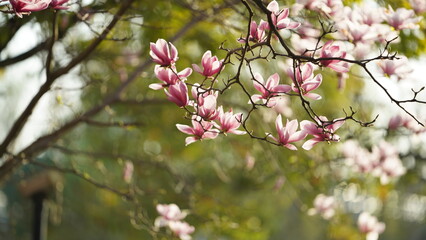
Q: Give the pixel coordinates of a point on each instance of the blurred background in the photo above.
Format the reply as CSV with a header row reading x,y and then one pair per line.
x,y
234,187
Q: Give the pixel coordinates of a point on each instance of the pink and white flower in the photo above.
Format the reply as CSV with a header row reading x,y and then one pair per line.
x,y
211,65
322,131
207,110
200,130
169,76
369,225
269,89
280,17
230,122
396,67
178,93
287,134
182,229
419,6
402,18
21,7
128,171
168,213
163,53
257,33
332,50
305,80
324,206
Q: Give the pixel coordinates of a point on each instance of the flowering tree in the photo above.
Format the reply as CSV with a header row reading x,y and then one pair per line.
x,y
273,64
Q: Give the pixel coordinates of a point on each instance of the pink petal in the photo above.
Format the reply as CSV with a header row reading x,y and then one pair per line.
x,y
197,68
185,73
308,145
185,129
190,140
156,86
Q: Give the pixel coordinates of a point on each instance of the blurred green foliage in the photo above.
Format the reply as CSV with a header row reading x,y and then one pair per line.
x,y
227,198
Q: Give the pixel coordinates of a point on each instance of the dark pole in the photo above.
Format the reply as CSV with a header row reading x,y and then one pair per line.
x,y
38,218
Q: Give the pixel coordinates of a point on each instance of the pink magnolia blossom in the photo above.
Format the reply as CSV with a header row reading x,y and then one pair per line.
x,y
21,7
58,4
402,18
257,33
280,17
358,157
370,225
321,134
200,130
211,65
331,50
371,16
359,32
128,171
178,93
288,134
398,121
182,229
229,122
396,67
168,213
207,110
390,165
305,80
419,6
324,206
269,89
163,53
329,7
205,102
169,76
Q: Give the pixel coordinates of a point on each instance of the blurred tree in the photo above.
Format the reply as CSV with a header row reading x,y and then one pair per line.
x,y
77,102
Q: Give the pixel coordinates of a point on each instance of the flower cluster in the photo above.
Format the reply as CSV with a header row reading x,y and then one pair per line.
x,y
208,119
171,216
370,226
383,161
324,205
25,7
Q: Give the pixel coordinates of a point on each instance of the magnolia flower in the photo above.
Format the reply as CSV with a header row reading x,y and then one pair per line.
x,y
257,33
287,134
419,6
181,229
280,17
169,76
168,213
163,53
402,18
389,164
406,122
358,32
370,225
128,171
229,122
305,80
397,67
178,93
321,134
211,65
200,130
21,7
269,89
324,206
331,50
207,110
58,4
359,157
